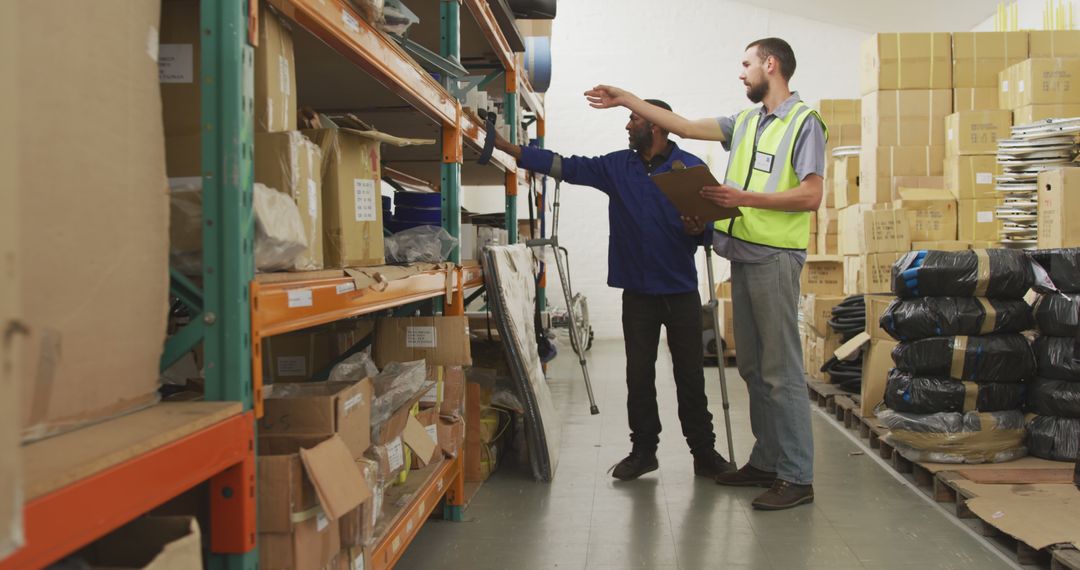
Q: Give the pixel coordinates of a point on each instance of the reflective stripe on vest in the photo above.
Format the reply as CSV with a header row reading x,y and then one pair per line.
x,y
786,230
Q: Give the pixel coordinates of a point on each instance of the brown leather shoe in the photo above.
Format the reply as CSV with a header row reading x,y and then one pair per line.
x,y
746,476
711,464
784,495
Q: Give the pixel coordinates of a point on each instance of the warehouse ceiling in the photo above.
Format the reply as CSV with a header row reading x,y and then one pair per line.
x,y
889,15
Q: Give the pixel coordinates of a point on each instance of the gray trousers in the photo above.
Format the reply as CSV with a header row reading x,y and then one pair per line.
x,y
765,300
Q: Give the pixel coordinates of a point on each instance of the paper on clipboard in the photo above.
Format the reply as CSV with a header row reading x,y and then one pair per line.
x,y
683,188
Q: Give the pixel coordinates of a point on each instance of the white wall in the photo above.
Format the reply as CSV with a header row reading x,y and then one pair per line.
x,y
1030,15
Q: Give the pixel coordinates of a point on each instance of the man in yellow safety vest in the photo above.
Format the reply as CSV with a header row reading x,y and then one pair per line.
x,y
774,176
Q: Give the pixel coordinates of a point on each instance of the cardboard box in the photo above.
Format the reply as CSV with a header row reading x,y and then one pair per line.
x,y
1054,43
971,177
392,459
354,558
828,244
876,366
905,118
840,111
321,409
275,76
1040,82
1059,204
931,212
871,273
148,543
288,162
1034,113
352,198
845,181
978,57
442,341
817,311
878,166
357,527
940,245
453,402
429,420
828,221
851,228
977,220
93,267
822,275
843,135
312,545
975,98
817,351
875,307
906,61
451,435
10,300
885,231
976,132
312,354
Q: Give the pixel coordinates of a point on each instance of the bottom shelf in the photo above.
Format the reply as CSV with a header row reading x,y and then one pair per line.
x,y
412,504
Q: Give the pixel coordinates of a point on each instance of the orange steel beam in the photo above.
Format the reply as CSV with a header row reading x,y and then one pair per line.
x,y
481,10
72,517
511,184
390,548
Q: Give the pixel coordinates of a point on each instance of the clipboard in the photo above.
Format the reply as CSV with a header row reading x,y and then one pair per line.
x,y
683,187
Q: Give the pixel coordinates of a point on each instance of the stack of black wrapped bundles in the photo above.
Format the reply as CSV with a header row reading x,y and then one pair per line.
x,y
848,320
1053,398
958,389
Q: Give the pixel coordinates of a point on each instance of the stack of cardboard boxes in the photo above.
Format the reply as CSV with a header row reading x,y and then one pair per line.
x,y
844,121
822,284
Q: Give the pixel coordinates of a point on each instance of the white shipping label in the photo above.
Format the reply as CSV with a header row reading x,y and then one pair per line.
x,y
1005,86
421,337
312,199
292,366
350,21
982,178
353,402
950,134
433,433
152,44
358,562
346,288
1020,86
984,217
396,452
431,397
176,63
321,521
283,76
300,298
367,200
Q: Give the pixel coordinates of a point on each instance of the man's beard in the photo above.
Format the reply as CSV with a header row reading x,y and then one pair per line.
x,y
641,140
757,93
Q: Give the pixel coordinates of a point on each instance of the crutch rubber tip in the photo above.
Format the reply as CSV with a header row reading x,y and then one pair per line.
x,y
594,411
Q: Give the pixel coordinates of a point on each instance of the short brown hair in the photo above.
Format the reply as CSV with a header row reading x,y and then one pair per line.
x,y
779,49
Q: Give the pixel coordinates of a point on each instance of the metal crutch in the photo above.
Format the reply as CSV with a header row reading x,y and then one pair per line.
x,y
714,306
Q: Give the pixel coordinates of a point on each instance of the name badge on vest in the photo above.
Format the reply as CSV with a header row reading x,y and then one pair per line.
x,y
763,161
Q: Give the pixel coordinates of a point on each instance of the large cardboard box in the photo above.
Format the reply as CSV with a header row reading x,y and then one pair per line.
x,y
946,245
93,265
977,220
148,543
870,273
931,213
817,312
851,228
1054,43
906,61
320,409
275,75
976,132
817,350
876,304
843,135
840,111
288,162
883,230
310,355
828,221
822,275
10,299
878,166
905,118
975,98
978,57
845,181
827,244
971,177
352,198
876,365
1059,208
1043,81
442,341
1033,113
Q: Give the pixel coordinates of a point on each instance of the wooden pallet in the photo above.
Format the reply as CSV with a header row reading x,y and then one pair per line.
x,y
1065,558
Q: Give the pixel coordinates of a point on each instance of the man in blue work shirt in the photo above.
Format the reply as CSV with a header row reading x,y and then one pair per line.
x,y
651,258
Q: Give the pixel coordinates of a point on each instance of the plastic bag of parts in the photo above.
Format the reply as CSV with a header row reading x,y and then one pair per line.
x,y
397,18
395,386
422,244
931,395
974,437
354,368
1062,266
185,225
990,358
913,319
279,230
1056,314
993,273
370,10
1059,398
1056,439
1056,358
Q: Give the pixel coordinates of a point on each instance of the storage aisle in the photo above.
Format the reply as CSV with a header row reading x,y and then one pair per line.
x,y
862,517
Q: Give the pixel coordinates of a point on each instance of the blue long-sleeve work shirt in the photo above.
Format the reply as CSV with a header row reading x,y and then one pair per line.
x,y
648,252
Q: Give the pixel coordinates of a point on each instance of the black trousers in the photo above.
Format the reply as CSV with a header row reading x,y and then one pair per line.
x,y
642,317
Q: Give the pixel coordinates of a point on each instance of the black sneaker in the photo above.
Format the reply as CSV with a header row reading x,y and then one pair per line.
x,y
711,464
634,465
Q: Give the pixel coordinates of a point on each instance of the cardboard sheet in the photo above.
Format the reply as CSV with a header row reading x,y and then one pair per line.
x,y
683,188
1037,515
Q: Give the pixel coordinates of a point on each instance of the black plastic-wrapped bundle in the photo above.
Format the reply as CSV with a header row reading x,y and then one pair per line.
x,y
974,437
994,273
1063,267
1059,398
990,358
1055,357
1056,314
912,319
1056,439
932,395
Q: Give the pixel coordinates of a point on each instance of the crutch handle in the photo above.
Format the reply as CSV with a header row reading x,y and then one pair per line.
x,y
542,242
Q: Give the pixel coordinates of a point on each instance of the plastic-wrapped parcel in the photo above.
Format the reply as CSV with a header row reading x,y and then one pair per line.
x,y
1055,357
912,319
974,437
990,358
1057,439
931,395
994,273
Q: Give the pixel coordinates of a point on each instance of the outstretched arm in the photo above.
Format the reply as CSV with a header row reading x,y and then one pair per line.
x,y
574,169
606,97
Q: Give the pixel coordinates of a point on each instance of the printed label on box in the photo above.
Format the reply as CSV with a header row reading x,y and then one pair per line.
x,y
300,298
1020,86
366,200
312,199
950,134
292,366
176,63
431,397
346,288
353,402
321,522
1005,86
350,22
396,452
358,562
984,178
433,432
984,217
283,75
420,337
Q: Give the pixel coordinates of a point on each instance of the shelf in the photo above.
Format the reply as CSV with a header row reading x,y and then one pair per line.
x,y
531,98
82,485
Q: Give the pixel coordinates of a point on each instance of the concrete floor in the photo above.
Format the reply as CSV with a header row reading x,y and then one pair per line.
x,y
862,518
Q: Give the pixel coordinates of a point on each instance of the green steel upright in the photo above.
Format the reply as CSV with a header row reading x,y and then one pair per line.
x,y
450,172
511,107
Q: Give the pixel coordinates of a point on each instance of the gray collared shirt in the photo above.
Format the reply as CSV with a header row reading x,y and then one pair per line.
x,y
808,157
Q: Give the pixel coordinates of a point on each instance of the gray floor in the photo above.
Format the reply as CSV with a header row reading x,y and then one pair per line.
x,y
862,517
